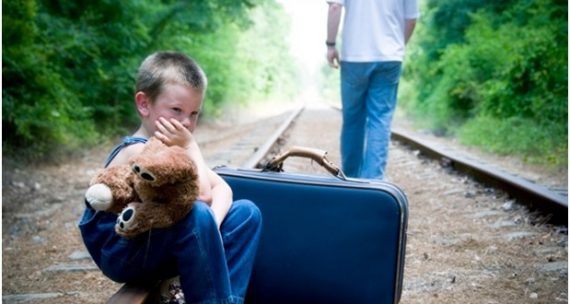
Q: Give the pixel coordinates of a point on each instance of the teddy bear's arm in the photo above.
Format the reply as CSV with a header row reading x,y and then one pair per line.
x,y
137,218
111,189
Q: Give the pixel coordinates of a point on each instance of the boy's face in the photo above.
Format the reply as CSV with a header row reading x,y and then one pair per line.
x,y
177,101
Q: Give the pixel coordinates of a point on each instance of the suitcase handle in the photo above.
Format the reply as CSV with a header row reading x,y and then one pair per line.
x,y
320,156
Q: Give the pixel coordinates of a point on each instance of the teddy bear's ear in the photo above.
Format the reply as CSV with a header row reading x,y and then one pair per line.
x,y
153,141
96,177
153,145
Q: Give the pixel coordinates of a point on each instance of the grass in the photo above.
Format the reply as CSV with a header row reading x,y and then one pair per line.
x,y
536,144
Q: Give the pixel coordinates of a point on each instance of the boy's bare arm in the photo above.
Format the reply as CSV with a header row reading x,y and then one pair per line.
x,y
213,189
203,173
222,197
172,132
126,153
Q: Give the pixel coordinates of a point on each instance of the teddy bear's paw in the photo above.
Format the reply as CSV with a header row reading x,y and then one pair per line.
x,y
99,197
126,219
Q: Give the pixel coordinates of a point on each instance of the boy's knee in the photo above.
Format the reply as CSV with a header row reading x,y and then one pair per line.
x,y
246,210
201,209
200,215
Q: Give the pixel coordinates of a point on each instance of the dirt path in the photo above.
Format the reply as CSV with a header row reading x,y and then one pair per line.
x,y
43,256
44,259
467,243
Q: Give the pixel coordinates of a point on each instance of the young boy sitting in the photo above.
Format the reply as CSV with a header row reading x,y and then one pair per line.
x,y
212,249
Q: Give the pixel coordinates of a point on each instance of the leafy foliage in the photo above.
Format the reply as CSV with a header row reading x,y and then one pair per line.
x,y
494,68
69,66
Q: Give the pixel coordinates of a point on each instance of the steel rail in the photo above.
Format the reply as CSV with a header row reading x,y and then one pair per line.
x,y
264,149
552,204
133,293
535,196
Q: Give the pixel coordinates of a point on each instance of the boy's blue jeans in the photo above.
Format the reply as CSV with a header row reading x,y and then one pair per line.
x,y
214,265
368,92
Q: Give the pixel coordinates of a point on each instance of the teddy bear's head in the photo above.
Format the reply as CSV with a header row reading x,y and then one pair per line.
x,y
155,190
159,165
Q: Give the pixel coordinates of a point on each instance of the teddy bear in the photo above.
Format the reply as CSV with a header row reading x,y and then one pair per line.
x,y
155,190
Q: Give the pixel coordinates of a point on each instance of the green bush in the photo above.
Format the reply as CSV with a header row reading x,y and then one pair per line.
x,y
244,62
496,68
69,66
40,111
517,136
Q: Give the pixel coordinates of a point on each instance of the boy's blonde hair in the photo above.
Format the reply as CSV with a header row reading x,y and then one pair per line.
x,y
161,68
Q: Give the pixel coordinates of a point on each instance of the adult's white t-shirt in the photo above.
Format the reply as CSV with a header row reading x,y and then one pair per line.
x,y
374,30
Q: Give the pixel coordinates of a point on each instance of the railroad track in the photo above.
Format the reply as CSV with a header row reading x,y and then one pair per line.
x,y
551,203
467,242
469,239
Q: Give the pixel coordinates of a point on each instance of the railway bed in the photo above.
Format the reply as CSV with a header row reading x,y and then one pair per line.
x,y
467,242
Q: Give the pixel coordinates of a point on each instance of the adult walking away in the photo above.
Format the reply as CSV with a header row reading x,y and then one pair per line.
x,y
374,36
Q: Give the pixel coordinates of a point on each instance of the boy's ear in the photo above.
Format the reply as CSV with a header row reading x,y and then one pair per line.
x,y
143,103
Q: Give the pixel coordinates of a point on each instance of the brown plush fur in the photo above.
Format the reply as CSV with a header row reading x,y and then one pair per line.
x,y
120,180
159,186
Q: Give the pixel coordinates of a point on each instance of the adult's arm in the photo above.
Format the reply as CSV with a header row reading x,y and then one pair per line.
x,y
409,30
333,22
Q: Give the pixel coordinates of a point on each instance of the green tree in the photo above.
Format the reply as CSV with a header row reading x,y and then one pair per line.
x,y
69,66
497,75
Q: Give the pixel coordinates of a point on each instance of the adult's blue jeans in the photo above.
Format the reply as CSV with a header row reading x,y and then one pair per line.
x,y
214,265
368,92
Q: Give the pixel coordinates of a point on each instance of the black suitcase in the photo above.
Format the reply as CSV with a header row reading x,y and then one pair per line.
x,y
325,239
